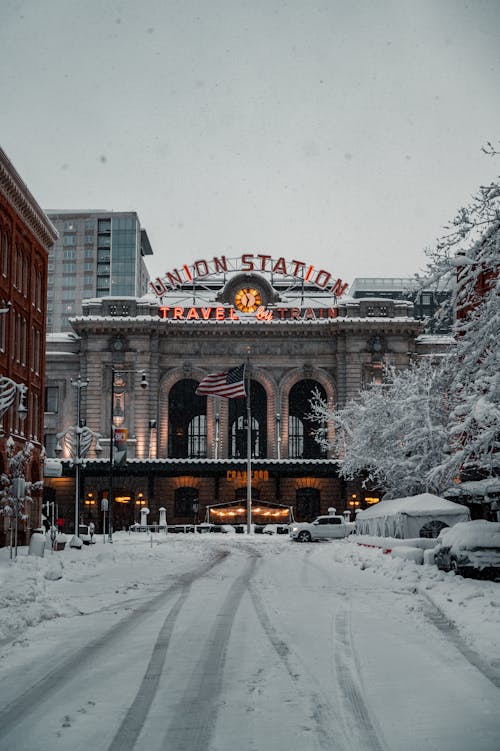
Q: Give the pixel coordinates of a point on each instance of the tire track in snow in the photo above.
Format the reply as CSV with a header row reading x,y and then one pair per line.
x,y
195,713
320,711
453,636
27,703
128,732
359,726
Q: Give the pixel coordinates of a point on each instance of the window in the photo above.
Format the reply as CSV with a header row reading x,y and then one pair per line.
x,y
69,240
183,501
197,437
51,398
5,258
69,254
3,327
237,422
187,424
50,442
104,225
307,503
302,442
295,437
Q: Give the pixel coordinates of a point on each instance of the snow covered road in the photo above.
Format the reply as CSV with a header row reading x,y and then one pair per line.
x,y
252,643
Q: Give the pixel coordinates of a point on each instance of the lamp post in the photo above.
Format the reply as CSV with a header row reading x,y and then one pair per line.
x,y
78,440
143,384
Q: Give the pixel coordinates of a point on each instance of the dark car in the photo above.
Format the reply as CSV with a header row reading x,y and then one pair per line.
x,y
470,549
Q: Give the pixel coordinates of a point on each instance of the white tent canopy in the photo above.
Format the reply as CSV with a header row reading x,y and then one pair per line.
x,y
404,518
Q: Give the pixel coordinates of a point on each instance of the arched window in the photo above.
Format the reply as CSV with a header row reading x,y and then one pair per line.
x,y
307,503
241,494
301,429
238,424
184,501
187,423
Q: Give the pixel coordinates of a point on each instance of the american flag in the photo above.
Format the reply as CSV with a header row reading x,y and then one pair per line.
x,y
229,385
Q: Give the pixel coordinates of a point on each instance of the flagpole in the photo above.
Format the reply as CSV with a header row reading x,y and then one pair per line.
x,y
249,449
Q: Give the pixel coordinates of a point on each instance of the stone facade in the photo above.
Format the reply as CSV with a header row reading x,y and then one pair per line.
x,y
340,353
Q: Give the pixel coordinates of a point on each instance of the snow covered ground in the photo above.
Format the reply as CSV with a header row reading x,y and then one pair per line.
x,y
52,607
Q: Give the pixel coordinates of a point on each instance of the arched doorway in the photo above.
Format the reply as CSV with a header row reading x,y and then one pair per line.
x,y
301,428
237,424
187,423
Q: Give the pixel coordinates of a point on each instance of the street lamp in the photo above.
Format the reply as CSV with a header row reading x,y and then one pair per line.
x,y
78,440
143,384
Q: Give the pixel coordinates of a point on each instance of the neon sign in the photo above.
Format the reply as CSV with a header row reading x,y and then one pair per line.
x,y
220,313
202,269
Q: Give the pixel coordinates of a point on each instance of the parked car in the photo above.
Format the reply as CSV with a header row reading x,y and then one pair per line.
x,y
470,549
322,528
206,527
276,529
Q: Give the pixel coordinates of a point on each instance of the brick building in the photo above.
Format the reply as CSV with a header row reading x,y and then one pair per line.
x,y
26,235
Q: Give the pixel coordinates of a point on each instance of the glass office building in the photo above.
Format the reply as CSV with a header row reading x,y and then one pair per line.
x,y
98,254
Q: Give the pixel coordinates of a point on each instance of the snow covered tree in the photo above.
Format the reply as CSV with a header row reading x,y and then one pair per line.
x,y
474,425
394,433
18,462
469,254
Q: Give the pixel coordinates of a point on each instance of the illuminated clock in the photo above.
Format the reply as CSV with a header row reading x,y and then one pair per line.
x,y
247,299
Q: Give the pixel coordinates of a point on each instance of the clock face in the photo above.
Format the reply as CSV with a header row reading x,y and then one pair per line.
x,y
247,299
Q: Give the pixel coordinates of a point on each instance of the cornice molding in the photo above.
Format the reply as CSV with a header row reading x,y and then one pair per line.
x,y
15,191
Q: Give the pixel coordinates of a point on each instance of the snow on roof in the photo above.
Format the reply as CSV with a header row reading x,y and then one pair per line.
x,y
62,336
436,339
412,506
476,487
478,533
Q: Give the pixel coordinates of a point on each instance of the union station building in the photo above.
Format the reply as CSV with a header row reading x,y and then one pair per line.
x,y
130,369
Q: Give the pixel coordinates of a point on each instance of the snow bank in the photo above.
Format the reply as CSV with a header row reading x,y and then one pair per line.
x,y
472,605
388,543
408,554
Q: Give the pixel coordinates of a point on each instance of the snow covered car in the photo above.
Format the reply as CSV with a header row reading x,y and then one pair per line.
x,y
322,528
276,529
470,549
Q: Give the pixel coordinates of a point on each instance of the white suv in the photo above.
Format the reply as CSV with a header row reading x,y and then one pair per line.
x,y
322,528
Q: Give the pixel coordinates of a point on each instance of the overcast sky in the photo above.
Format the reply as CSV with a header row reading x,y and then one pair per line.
x,y
341,133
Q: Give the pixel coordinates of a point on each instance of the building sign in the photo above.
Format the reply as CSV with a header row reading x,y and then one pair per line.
x,y
220,313
248,262
234,475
